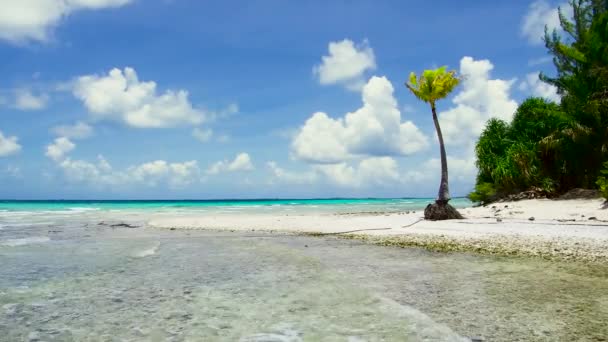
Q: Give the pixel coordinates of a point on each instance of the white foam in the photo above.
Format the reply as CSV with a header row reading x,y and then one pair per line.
x,y
29,224
77,209
25,241
282,332
147,252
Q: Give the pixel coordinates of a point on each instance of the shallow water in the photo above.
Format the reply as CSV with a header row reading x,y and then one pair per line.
x,y
87,282
248,207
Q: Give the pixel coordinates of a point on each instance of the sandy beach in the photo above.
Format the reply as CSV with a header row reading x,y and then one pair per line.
x,y
560,229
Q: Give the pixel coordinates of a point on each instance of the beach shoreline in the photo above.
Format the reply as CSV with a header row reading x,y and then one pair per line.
x,y
572,230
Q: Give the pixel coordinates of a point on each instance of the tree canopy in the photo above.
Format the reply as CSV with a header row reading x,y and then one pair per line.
x,y
550,146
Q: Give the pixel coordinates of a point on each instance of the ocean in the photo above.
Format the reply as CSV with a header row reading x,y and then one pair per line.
x,y
337,205
67,275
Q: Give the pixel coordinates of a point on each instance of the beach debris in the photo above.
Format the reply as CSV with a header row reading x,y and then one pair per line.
x,y
172,228
123,225
498,219
592,218
531,218
581,194
116,225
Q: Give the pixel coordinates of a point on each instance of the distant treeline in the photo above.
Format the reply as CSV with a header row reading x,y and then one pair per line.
x,y
550,147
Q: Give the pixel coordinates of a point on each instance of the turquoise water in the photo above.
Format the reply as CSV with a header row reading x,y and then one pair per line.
x,y
67,275
326,205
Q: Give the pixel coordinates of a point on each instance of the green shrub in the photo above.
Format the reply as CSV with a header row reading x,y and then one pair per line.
x,y
483,194
602,181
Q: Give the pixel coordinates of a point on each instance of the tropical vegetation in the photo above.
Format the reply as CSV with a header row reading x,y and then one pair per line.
x,y
555,147
431,86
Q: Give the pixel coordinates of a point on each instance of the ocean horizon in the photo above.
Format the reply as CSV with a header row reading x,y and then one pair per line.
x,y
320,204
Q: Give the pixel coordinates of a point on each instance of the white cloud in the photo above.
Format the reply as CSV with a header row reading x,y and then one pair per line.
x,y
538,88
290,177
479,99
59,148
242,162
176,174
26,100
346,64
79,130
373,130
366,173
34,20
460,169
202,135
121,96
541,14
8,145
151,174
377,171
101,173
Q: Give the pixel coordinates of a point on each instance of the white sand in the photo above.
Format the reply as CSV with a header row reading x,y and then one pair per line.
x,y
560,228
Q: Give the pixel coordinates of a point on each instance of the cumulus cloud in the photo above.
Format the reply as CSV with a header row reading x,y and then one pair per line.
x,y
34,20
202,135
79,130
533,85
541,14
479,99
346,64
26,100
372,130
290,177
176,174
367,172
460,169
8,145
242,162
376,171
121,96
58,149
101,173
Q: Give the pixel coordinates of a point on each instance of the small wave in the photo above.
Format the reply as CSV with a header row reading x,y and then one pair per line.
x,y
29,224
83,209
25,241
282,333
147,252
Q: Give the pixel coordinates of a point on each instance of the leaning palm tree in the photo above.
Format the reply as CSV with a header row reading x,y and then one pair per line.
x,y
430,87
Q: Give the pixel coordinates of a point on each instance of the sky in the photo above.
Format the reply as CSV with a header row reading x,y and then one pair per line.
x,y
185,99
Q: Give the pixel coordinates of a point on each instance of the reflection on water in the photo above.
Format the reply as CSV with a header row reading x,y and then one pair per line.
x,y
95,283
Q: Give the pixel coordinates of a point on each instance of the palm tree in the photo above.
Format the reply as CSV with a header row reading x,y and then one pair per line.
x,y
431,86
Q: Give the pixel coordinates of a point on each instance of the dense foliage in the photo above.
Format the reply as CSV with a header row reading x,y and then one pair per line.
x,y
556,147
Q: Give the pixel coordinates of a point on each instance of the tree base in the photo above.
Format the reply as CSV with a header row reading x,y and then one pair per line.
x,y
441,211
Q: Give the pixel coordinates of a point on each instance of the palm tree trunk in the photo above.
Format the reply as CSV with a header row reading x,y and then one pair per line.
x,y
443,196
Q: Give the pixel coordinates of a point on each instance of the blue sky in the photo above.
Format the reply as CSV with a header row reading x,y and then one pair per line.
x,y
233,99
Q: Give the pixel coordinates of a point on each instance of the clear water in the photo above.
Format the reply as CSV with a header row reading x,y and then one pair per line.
x,y
64,277
248,206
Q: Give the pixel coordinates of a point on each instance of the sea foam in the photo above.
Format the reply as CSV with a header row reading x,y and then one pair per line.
x,y
147,252
24,241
